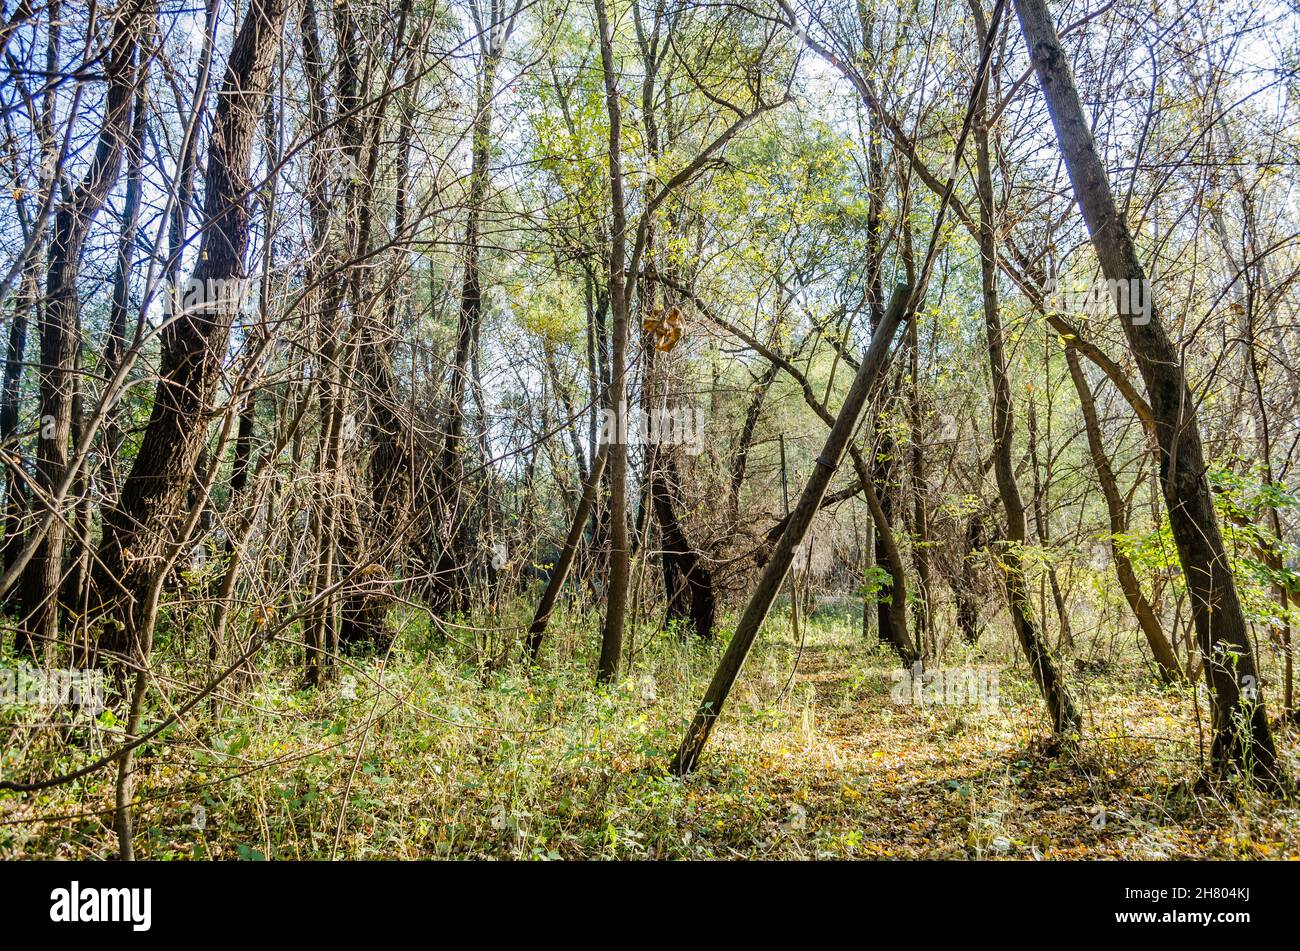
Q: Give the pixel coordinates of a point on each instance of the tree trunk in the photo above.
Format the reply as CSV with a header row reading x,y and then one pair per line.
x,y
689,582
927,640
1041,523
760,602
1242,738
968,612
115,346
740,458
138,529
1060,705
891,615
560,573
60,326
16,500
452,576
880,501
1161,649
611,644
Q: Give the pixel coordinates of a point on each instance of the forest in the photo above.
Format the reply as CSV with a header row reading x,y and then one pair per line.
x,y
649,429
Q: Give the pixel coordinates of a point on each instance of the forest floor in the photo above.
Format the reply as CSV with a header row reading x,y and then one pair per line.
x,y
420,756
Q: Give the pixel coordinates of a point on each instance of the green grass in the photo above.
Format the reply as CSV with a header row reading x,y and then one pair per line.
x,y
429,755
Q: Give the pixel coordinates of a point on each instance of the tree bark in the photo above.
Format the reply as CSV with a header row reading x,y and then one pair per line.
x,y
968,613
611,643
16,500
688,581
60,326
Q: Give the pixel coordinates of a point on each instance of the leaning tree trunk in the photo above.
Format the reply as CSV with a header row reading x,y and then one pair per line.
x,y
537,630
1242,738
796,528
891,557
137,530
1161,649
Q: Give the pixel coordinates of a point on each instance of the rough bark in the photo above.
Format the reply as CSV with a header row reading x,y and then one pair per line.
x,y
611,645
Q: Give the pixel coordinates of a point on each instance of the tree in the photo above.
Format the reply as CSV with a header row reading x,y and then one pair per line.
x,y
1242,737
59,328
193,343
1056,693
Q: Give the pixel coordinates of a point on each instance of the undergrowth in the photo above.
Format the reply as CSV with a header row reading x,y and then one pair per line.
x,y
432,752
